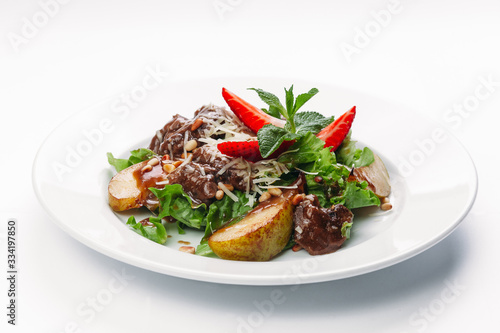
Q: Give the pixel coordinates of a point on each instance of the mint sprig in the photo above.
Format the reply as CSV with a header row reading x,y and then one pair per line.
x,y
297,124
292,104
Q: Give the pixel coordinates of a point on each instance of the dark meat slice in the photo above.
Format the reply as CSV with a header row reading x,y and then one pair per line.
x,y
317,229
171,138
199,178
237,174
158,143
198,181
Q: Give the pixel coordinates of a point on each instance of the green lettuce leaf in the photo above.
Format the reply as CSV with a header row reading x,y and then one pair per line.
x,y
176,203
156,233
349,155
306,149
223,212
356,195
136,156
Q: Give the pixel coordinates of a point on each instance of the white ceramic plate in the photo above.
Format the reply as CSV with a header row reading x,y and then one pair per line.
x,y
434,183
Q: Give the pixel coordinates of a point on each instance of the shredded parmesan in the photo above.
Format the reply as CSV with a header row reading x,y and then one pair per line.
x,y
276,186
186,160
228,193
230,164
306,172
265,180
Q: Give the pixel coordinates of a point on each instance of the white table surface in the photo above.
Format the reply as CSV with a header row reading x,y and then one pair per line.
x,y
429,55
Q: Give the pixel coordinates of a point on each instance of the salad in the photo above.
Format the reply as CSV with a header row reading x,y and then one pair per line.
x,y
254,181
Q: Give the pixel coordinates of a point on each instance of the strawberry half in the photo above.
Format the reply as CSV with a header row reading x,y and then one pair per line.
x,y
250,115
336,132
249,150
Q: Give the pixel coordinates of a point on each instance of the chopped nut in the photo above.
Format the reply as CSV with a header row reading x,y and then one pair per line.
x,y
165,157
154,161
298,198
187,249
177,163
228,186
385,200
146,168
265,196
168,168
275,191
318,179
386,206
190,145
197,123
219,194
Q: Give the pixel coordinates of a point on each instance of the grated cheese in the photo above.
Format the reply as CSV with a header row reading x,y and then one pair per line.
x,y
228,193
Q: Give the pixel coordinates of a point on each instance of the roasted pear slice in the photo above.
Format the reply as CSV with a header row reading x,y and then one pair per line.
x,y
376,176
129,188
261,234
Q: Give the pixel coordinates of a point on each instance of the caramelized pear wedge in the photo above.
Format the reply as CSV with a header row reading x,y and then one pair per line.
x,y
376,176
261,234
128,189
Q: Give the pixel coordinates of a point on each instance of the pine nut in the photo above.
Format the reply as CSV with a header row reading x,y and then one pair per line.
x,y
385,200
219,195
146,168
275,191
187,249
190,145
228,186
386,206
154,161
197,123
185,155
265,196
168,168
177,163
298,198
165,157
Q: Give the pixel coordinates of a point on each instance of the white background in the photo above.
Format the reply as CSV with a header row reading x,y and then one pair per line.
x,y
429,55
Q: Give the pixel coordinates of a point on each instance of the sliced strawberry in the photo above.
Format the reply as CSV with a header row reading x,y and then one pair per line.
x,y
335,133
250,115
249,150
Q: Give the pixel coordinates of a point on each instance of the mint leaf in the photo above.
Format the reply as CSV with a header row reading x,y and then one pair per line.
x,y
273,111
289,99
310,121
271,137
303,98
270,99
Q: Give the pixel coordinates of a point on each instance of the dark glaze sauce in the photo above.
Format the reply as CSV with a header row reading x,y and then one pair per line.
x,y
148,179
